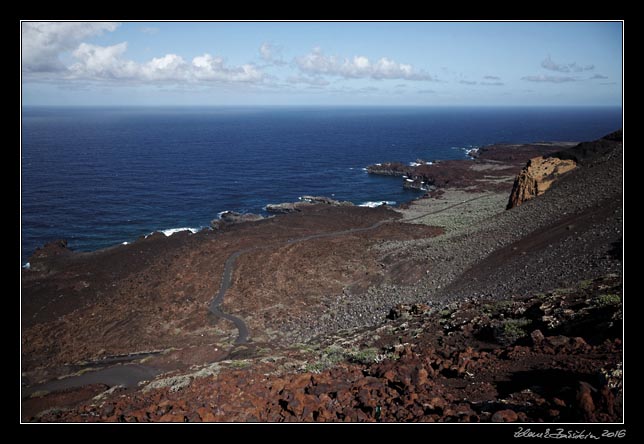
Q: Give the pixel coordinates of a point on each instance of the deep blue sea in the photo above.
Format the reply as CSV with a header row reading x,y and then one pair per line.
x,y
103,176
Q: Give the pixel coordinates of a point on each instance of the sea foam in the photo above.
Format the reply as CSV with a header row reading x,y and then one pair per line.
x,y
171,231
378,203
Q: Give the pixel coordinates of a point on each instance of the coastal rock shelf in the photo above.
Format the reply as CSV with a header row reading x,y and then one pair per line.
x,y
304,202
487,169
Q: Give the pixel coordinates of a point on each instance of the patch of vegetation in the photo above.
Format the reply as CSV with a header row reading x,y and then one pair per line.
x,y
333,355
364,356
563,291
495,308
446,313
239,364
39,394
604,300
330,356
263,351
304,348
512,330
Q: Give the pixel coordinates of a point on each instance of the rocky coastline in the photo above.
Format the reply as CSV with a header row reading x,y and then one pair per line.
x,y
508,269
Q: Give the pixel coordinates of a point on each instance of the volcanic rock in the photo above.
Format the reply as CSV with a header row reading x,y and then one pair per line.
x,y
537,176
305,201
505,416
231,217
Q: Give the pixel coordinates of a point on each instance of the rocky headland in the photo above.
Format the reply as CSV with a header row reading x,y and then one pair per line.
x,y
449,308
304,203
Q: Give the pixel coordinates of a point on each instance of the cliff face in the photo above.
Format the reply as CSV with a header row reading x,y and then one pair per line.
x,y
536,177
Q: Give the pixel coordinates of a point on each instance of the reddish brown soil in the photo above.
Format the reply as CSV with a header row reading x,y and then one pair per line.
x,y
462,364
154,293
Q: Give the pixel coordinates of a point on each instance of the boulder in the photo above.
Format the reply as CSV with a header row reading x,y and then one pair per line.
x,y
585,401
505,416
536,177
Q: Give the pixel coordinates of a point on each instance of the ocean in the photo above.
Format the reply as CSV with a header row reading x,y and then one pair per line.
x,y
103,176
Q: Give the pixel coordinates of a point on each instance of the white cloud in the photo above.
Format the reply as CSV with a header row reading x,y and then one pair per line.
x,y
492,77
549,64
106,63
599,77
467,82
102,62
43,42
549,79
271,54
317,63
207,67
168,67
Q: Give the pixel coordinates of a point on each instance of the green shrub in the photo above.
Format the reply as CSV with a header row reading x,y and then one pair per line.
x,y
604,300
514,329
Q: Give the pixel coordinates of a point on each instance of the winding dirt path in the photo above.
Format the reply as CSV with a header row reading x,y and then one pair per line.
x,y
226,279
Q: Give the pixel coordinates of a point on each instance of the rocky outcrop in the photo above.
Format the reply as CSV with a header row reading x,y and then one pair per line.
x,y
286,207
41,259
536,177
305,201
389,169
231,217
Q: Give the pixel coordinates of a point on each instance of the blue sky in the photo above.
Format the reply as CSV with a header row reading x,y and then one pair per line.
x,y
322,63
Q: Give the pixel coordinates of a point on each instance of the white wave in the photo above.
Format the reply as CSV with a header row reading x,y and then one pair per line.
x,y
171,231
379,203
378,164
363,169
471,151
125,243
414,164
27,266
409,180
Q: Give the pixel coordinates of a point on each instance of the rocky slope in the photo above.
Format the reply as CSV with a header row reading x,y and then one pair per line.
x,y
489,308
550,357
